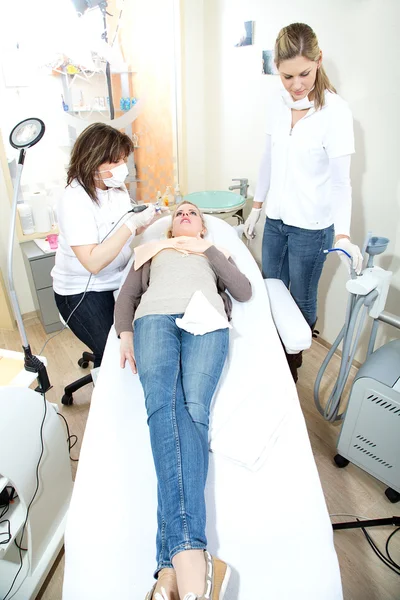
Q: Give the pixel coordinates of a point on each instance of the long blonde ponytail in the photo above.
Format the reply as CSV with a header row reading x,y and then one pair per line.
x,y
298,39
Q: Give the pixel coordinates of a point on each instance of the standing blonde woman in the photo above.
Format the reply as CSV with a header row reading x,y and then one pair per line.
x,y
305,172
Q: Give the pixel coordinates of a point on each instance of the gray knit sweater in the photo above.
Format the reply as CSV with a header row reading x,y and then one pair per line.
x,y
175,290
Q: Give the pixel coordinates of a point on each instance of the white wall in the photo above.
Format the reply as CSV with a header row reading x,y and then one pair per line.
x,y
193,85
359,39
19,273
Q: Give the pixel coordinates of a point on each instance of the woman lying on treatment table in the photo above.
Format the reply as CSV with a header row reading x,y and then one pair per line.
x,y
179,372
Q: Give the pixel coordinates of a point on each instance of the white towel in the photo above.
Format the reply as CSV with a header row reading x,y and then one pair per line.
x,y
201,317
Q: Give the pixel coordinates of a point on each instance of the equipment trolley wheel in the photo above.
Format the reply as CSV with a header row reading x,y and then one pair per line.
x,y
392,495
340,461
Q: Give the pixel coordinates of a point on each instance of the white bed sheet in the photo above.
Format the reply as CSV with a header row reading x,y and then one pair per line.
x,y
268,520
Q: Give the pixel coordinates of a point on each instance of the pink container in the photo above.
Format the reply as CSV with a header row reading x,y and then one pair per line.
x,y
53,240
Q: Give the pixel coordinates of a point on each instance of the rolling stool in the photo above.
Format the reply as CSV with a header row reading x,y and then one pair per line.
x,y
83,362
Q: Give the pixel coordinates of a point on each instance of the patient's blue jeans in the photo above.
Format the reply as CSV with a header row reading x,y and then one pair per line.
x,y
179,373
296,256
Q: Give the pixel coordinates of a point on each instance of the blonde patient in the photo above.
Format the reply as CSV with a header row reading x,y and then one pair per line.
x,y
179,373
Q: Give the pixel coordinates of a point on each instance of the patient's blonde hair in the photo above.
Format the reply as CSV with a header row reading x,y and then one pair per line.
x,y
169,231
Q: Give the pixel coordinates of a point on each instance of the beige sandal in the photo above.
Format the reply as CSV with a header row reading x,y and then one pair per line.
x,y
216,582
153,595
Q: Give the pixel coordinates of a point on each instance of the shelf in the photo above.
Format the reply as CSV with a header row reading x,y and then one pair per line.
x,y
36,236
16,514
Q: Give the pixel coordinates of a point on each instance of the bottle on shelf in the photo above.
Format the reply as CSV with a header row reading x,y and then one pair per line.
x,y
168,198
178,195
26,218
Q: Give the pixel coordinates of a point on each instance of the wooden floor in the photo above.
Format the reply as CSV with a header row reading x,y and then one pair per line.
x,y
347,490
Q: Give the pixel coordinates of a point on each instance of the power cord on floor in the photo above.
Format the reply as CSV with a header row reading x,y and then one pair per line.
x,y
386,559
20,549
69,438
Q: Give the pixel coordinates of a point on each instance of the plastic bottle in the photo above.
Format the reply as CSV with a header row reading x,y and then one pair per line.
x,y
159,202
168,198
178,195
26,218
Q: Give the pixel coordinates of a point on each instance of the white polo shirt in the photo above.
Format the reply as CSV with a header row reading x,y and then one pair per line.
x,y
301,192
82,222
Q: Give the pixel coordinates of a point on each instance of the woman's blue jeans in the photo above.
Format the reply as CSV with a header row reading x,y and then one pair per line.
x,y
179,373
296,256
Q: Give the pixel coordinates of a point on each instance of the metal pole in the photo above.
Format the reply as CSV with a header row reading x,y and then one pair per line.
x,y
395,521
103,8
13,295
390,319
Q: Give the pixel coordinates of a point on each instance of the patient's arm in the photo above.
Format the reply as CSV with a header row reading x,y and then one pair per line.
x,y
126,351
128,301
235,282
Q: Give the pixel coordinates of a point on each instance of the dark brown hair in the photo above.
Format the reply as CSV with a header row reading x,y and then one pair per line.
x,y
97,144
298,39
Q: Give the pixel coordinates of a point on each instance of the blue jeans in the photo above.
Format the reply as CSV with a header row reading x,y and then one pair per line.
x,y
179,373
91,321
296,256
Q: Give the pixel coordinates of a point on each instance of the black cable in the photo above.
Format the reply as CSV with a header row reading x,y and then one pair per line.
x,y
69,438
21,560
7,533
387,548
379,554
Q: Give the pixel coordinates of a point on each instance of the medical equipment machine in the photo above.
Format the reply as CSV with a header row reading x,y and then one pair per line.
x,y
370,434
32,525
24,135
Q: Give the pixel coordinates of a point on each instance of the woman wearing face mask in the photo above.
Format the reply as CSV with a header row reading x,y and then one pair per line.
x,y
305,172
94,200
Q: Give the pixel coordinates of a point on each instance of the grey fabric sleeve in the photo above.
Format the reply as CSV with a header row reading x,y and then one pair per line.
x,y
235,282
128,301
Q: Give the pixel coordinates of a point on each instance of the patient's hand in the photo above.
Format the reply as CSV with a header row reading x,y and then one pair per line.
x,y
126,351
195,244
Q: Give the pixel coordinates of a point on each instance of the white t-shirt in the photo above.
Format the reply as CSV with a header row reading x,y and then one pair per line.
x,y
82,222
300,187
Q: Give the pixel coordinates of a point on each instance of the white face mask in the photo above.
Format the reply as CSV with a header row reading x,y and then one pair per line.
x,y
119,174
302,104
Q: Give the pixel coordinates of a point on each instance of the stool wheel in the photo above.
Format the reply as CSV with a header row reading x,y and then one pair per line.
x,y
83,363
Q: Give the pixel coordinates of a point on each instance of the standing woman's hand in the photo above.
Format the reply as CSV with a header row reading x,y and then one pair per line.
x,y
141,220
353,250
251,222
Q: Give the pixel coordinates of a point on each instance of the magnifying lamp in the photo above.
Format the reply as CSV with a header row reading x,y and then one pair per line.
x,y
24,135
